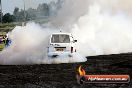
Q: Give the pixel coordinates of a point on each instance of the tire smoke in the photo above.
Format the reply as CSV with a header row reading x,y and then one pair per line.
x,y
100,26
29,46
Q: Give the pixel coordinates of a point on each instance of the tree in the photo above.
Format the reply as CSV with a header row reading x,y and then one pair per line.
x,y
30,14
16,10
43,9
8,18
16,13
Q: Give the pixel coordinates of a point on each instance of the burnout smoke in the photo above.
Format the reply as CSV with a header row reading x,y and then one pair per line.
x,y
27,41
100,26
29,46
103,33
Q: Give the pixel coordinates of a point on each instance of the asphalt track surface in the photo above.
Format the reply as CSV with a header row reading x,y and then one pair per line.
x,y
64,75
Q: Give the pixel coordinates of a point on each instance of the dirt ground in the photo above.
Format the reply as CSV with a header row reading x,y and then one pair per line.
x,y
64,75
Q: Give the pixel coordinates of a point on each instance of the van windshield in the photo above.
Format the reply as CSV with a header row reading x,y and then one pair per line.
x,y
60,38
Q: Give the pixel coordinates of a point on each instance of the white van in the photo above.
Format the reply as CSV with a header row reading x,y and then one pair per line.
x,y
61,44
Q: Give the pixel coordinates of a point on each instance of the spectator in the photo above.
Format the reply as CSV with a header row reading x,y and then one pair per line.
x,y
1,39
4,39
8,42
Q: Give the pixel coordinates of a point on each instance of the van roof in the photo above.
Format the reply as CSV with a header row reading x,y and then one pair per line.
x,y
61,33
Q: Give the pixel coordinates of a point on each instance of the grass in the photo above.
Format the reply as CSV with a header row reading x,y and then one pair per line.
x,y
6,27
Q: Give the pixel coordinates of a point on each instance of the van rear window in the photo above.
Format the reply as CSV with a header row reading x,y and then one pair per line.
x,y
60,38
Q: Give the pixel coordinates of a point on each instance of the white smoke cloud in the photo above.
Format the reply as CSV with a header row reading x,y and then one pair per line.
x,y
72,10
25,43
100,26
103,33
116,5
29,46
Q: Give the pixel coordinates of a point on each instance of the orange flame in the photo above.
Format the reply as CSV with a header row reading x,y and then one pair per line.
x,y
81,71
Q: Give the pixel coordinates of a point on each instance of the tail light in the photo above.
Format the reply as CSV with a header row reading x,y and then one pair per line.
x,y
71,49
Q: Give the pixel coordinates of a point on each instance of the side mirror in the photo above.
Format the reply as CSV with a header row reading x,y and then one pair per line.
x,y
75,41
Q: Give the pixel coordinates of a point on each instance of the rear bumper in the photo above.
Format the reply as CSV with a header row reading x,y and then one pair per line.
x,y
51,54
